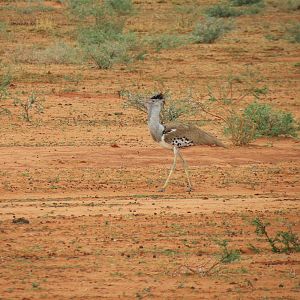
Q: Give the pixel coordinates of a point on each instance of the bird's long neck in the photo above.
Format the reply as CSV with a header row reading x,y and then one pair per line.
x,y
155,127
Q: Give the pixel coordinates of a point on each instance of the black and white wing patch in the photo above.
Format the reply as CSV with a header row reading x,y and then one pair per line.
x,y
182,142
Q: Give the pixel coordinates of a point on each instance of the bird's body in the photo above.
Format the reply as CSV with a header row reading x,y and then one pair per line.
x,y
175,136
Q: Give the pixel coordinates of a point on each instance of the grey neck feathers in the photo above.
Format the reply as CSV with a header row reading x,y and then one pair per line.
x,y
155,127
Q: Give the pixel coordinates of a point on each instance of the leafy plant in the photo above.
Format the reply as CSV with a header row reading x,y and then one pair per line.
x,y
212,266
270,122
105,42
283,242
120,6
210,29
108,53
166,41
244,2
293,33
222,11
5,81
257,119
241,129
172,110
226,255
289,5
32,103
59,53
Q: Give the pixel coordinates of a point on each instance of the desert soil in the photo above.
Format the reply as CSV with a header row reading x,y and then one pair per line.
x,y
85,173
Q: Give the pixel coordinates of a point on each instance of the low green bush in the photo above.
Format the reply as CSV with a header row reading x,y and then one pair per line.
x,y
293,33
270,122
244,2
210,29
120,6
222,11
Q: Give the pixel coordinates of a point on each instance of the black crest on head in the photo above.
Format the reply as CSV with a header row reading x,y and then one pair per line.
x,y
158,96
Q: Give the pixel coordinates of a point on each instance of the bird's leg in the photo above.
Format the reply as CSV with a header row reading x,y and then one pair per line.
x,y
176,151
186,170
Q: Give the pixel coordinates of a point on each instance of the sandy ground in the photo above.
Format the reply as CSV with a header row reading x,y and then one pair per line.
x,y
85,173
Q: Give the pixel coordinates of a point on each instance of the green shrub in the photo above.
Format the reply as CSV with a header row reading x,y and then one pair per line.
x,y
120,6
32,103
241,129
172,110
270,122
222,11
210,29
59,53
293,33
34,9
3,27
5,81
288,5
228,255
105,42
108,53
245,2
282,242
166,41
83,8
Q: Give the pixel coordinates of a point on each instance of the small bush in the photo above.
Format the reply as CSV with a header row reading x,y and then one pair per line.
x,y
172,110
245,2
241,129
293,33
166,41
59,53
82,8
210,29
107,54
120,6
226,255
5,81
288,5
97,35
32,103
282,242
270,122
3,28
222,11
34,9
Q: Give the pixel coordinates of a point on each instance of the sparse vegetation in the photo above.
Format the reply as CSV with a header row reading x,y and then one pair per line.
x,y
270,122
166,41
105,42
173,110
293,33
245,2
287,5
5,81
282,242
256,120
32,103
241,129
3,28
212,266
222,11
210,29
59,53
120,6
228,255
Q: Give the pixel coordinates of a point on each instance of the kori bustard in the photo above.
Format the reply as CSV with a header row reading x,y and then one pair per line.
x,y
175,136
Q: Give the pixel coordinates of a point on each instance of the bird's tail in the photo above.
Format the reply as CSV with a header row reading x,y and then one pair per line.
x,y
220,144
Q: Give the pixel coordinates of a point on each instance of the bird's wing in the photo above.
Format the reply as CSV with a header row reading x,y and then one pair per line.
x,y
191,133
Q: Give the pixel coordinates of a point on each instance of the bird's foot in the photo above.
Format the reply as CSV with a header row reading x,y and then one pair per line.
x,y
189,189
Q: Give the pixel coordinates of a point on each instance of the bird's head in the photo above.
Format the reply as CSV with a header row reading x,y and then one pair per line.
x,y
156,100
